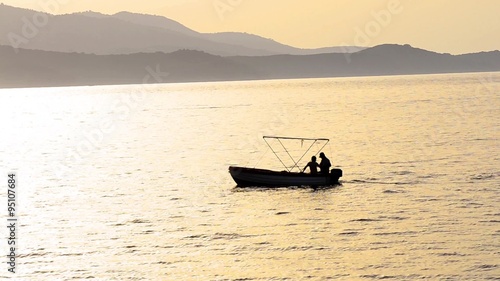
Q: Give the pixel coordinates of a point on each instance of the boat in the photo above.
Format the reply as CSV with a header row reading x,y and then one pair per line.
x,y
247,177
254,177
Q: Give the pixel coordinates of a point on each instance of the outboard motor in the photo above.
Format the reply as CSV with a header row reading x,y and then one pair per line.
x,y
335,174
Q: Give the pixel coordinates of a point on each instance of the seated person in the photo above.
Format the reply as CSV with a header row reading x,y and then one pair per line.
x,y
325,164
313,166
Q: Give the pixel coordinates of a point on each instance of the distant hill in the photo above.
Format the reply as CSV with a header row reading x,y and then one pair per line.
x,y
271,46
155,21
34,68
127,33
380,60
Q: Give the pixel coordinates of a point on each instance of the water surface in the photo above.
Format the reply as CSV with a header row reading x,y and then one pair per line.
x,y
131,182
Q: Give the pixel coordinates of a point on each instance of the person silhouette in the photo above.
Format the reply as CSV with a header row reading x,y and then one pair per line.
x,y
325,164
313,166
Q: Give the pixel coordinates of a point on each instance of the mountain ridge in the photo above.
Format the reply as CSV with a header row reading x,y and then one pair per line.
x,y
35,68
96,33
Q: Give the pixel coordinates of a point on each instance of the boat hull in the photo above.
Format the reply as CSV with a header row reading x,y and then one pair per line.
x,y
248,177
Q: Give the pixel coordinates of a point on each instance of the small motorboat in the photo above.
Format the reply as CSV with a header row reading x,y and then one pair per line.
x,y
252,177
245,177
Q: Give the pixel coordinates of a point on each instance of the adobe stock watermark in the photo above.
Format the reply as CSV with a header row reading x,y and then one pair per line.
x,y
277,124
381,19
489,83
486,85
31,26
123,107
222,7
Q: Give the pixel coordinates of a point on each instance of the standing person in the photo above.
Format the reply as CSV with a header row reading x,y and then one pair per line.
x,y
325,164
313,166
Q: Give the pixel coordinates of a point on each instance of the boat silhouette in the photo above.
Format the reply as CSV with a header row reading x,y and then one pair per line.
x,y
254,177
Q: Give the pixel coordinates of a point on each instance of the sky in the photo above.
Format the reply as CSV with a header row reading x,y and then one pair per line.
x,y
445,26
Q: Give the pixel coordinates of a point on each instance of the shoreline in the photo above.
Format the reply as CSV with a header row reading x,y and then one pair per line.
x,y
241,80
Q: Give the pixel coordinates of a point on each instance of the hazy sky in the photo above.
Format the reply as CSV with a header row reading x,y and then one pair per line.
x,y
452,26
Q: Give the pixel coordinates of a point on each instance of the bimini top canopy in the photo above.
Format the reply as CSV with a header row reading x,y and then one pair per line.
x,y
292,138
313,142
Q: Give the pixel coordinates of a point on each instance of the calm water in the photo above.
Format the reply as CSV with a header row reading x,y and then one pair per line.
x,y
131,182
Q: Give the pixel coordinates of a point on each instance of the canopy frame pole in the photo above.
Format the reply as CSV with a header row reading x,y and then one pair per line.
x,y
322,147
276,155
293,160
308,151
292,138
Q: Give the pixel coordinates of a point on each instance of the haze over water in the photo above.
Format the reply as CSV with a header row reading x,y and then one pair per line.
x,y
131,182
